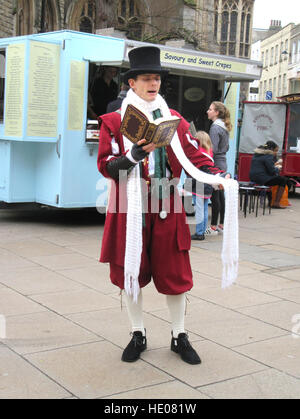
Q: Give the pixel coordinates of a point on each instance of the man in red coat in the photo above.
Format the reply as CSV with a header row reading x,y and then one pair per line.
x,y
141,243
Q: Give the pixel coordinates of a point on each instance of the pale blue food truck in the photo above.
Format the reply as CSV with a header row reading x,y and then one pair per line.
x,y
48,146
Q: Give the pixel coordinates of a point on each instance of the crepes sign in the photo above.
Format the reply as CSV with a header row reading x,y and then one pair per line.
x,y
208,63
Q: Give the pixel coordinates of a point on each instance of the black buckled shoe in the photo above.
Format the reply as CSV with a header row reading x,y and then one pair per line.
x,y
182,346
134,348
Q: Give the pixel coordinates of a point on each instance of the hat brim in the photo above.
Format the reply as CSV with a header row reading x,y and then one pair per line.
x,y
130,74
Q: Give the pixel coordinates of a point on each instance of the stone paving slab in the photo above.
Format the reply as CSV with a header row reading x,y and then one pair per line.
x,y
21,380
267,384
282,353
90,370
37,332
65,330
218,364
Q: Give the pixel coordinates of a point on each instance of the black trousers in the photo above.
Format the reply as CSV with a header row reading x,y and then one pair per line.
x,y
217,207
278,180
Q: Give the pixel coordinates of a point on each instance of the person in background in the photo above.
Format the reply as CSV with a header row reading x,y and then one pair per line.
x,y
219,135
116,104
202,193
104,89
264,171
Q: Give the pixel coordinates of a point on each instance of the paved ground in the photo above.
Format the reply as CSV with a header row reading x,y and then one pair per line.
x,y
62,329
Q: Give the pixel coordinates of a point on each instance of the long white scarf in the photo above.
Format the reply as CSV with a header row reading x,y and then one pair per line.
x,y
134,242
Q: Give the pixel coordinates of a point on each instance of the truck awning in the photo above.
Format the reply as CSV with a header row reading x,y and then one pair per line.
x,y
188,62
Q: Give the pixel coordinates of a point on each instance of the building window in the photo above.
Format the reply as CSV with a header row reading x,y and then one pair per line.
x,y
48,20
294,52
267,58
287,45
2,83
272,56
216,25
84,16
87,18
284,85
24,16
232,25
129,18
276,54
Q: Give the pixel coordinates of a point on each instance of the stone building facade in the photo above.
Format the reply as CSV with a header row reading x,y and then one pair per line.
x,y
6,19
275,53
219,26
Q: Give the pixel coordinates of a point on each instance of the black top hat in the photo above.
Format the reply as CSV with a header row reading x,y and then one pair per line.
x,y
144,60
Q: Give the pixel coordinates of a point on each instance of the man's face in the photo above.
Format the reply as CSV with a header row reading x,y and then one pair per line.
x,y
146,86
111,72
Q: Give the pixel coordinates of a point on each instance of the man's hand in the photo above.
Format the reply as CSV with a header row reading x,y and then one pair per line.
x,y
148,148
228,176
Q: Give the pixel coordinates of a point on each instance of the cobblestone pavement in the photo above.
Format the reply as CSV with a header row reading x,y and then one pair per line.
x,y
62,329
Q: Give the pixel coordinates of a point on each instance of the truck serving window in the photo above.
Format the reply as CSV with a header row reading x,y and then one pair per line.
x,y
2,82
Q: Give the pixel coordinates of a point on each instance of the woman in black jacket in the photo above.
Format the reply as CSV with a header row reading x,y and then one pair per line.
x,y
264,172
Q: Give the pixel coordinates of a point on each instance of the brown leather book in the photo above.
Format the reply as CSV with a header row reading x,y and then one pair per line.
x,y
136,126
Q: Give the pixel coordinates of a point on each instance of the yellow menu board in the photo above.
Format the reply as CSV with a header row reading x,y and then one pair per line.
x,y
43,83
76,95
231,105
14,90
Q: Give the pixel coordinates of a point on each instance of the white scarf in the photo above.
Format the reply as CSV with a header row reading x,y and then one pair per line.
x,y
220,123
134,242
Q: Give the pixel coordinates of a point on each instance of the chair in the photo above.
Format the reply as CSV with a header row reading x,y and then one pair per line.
x,y
252,193
246,191
263,192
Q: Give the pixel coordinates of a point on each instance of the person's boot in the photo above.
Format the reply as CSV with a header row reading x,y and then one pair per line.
x,y
280,192
134,348
182,346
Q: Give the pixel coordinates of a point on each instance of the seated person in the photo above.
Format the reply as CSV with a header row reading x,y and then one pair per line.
x,y
264,172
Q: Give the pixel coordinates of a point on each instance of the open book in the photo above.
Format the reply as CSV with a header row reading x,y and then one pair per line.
x,y
136,126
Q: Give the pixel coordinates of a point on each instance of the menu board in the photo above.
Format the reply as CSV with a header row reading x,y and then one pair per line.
x,y
43,84
76,95
232,106
14,90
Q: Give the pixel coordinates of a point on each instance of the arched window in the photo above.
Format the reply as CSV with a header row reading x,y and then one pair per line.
x,y
229,15
233,29
24,17
84,16
86,25
245,28
49,18
129,18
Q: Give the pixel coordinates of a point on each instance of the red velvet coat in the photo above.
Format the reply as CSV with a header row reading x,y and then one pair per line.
x,y
111,146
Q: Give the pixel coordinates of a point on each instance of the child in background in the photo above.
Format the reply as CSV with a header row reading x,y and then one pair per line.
x,y
202,192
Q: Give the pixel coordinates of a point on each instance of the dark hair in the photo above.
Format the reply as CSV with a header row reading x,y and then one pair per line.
x,y
270,145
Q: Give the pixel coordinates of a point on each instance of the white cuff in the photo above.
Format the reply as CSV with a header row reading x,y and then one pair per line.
x,y
129,156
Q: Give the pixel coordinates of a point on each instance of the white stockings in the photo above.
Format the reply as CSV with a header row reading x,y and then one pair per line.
x,y
176,305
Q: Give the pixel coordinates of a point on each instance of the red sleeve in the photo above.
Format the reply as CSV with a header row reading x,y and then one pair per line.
x,y
109,133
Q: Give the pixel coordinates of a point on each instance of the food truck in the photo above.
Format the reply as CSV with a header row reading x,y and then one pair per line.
x,y
277,121
48,144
